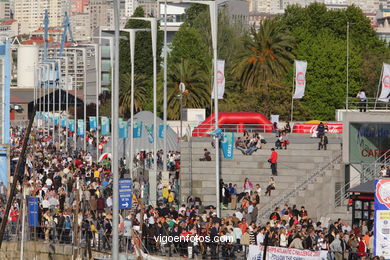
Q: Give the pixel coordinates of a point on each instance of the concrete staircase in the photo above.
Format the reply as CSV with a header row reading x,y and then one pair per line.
x,y
295,166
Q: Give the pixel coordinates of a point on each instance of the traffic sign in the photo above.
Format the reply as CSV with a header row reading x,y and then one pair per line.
x,y
125,193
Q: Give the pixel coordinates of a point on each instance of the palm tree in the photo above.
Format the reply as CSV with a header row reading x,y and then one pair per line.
x,y
197,83
267,57
140,93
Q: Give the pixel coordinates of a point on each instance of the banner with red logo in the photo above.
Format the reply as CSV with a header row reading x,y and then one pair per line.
x,y
300,78
382,218
384,97
220,79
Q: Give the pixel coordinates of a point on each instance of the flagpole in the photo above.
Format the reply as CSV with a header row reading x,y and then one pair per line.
x,y
292,95
379,85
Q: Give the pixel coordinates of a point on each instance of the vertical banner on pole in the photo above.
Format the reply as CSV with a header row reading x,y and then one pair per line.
x,y
71,125
92,123
300,78
123,128
56,120
385,93
161,131
63,121
382,218
105,126
80,127
137,129
220,79
149,130
228,145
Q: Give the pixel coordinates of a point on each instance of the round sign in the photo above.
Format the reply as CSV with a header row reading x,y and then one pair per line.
x,y
182,87
220,77
386,81
383,193
300,78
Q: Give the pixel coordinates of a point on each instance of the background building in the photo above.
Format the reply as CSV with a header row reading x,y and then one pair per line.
x,y
5,11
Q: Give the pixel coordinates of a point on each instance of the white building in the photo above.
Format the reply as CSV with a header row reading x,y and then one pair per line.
x,y
4,9
30,14
130,6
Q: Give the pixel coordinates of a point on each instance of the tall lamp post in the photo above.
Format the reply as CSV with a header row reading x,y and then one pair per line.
x,y
347,87
132,34
153,25
213,7
165,89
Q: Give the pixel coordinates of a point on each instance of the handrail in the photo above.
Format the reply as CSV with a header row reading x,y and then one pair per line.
x,y
370,104
279,201
369,172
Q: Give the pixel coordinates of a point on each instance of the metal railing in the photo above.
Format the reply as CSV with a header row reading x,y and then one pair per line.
x,y
368,172
370,104
284,198
237,128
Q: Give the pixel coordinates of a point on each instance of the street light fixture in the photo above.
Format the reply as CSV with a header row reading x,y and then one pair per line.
x,y
132,35
213,7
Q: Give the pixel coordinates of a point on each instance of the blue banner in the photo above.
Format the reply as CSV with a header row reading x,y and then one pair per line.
x,y
149,131
46,117
228,145
123,128
105,126
381,218
80,127
92,123
56,120
125,193
38,115
63,121
71,126
161,130
33,211
137,129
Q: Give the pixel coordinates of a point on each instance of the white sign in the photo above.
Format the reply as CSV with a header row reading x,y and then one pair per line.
x,y
385,83
300,78
382,219
220,79
281,253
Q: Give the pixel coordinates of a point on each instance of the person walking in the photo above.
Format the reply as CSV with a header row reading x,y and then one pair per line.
x,y
273,160
363,100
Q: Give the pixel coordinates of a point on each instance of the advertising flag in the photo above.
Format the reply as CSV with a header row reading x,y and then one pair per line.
x,y
385,93
71,125
149,130
300,78
137,129
161,131
80,127
38,115
123,128
92,123
105,126
382,218
228,145
220,79
56,120
63,121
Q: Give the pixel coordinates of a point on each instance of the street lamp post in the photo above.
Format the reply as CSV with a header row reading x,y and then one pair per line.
x,y
153,25
213,7
132,34
165,89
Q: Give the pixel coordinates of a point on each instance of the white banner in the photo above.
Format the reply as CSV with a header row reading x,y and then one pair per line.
x,y
385,83
220,79
281,253
300,78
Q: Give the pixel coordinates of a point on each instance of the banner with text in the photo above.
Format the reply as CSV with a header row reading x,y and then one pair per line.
x,y
382,218
71,125
228,145
92,123
56,120
137,129
385,93
220,79
149,130
63,121
300,78
280,253
123,128
80,127
105,126
161,131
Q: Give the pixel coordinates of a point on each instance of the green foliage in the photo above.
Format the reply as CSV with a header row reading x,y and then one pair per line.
x,y
140,93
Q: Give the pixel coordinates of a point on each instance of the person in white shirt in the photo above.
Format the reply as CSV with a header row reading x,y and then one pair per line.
x,y
363,100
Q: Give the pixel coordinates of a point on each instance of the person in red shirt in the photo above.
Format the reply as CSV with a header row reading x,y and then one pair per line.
x,y
273,160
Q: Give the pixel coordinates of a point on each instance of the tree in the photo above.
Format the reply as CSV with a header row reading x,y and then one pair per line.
x,y
197,94
140,93
267,56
